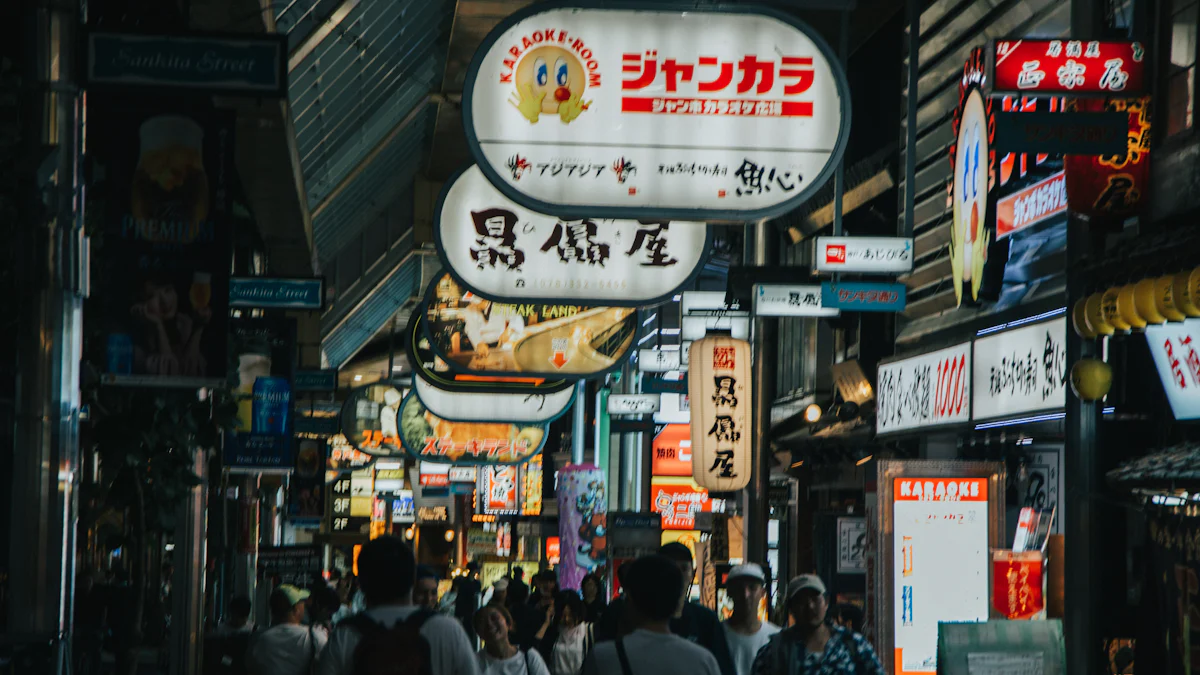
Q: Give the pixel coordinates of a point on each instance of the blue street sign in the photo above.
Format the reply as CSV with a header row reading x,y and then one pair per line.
x,y
267,293
657,385
236,64
856,296
315,380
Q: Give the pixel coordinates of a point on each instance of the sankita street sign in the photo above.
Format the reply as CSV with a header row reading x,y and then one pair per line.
x,y
267,293
1062,133
658,385
628,110
236,64
1035,204
790,300
864,254
863,297
1066,67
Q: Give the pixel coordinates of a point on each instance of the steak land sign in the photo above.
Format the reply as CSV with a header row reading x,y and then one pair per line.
x,y
924,391
713,113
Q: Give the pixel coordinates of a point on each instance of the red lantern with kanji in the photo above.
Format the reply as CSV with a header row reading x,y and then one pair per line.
x,y
1112,187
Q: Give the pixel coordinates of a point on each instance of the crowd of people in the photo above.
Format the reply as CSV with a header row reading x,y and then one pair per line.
x,y
394,623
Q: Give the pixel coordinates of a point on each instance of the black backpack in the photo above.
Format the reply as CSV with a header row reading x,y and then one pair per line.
x,y
399,650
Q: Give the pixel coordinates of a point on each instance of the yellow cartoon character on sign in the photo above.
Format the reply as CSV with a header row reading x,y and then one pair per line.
x,y
550,80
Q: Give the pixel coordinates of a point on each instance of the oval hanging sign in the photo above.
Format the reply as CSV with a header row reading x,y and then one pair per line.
x,y
482,407
369,420
508,252
623,111
433,369
428,437
471,333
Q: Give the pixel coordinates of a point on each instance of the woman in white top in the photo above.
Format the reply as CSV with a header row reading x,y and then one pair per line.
x,y
498,656
574,639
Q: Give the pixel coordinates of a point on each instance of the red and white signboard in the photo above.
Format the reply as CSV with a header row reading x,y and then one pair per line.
x,y
1174,347
499,489
1032,205
678,500
1074,67
1019,584
864,254
609,112
924,391
434,475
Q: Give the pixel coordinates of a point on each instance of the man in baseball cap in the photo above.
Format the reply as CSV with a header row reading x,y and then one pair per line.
x,y
745,633
288,647
812,645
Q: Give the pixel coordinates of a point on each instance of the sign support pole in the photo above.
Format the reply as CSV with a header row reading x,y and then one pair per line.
x,y
580,422
763,375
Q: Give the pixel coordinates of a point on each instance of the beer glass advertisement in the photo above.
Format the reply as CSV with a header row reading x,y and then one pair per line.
x,y
264,359
471,332
307,493
163,184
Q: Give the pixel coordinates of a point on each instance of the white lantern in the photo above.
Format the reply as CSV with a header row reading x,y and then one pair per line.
x,y
719,389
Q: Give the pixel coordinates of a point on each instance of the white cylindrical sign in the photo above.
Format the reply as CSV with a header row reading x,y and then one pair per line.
x,y
721,403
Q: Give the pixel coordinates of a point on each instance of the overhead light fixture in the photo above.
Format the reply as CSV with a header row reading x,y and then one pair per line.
x,y
410,533
812,413
358,378
449,535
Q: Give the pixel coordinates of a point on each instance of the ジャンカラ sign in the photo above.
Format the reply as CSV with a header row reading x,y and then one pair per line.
x,y
719,389
715,113
1066,67
510,253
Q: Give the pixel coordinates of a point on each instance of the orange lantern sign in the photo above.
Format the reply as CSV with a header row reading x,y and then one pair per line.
x,y
1112,187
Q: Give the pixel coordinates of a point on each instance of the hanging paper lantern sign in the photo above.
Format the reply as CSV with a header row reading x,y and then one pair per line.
x,y
1080,322
1112,187
470,333
1096,317
1143,292
1164,298
1185,291
1127,307
719,391
427,437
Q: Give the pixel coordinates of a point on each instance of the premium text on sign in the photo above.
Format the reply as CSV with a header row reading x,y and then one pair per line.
x,y
613,111
1074,67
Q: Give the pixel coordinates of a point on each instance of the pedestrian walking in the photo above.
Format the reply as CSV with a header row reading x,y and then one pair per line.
x,y
288,647
745,632
499,656
813,645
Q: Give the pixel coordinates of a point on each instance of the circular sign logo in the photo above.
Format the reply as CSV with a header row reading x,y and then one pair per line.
x,y
969,236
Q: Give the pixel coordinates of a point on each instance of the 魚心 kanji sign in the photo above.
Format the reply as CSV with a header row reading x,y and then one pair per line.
x,y
700,113
509,253
719,390
1071,67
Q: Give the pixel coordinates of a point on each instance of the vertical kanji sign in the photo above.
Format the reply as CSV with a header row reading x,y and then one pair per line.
x,y
719,389
618,111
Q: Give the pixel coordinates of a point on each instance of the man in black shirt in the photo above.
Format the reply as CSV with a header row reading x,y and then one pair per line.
x,y
696,623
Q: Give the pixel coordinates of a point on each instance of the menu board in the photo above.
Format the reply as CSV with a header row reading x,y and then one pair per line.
x,y
942,563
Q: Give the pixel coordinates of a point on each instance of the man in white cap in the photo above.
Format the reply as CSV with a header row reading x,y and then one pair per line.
x,y
499,593
744,631
811,646
288,647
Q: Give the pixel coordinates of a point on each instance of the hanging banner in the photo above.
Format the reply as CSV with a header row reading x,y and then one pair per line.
x,y
719,389
499,490
870,255
714,113
672,451
582,522
1117,186
1033,66
1032,205
428,437
369,419
1020,371
924,391
976,259
531,490
434,370
160,288
507,252
473,334
306,492
1019,584
262,440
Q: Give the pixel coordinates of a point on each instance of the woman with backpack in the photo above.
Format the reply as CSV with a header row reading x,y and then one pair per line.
x,y
499,656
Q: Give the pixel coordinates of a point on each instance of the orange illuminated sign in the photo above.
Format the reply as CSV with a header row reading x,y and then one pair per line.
x,y
678,500
552,550
672,451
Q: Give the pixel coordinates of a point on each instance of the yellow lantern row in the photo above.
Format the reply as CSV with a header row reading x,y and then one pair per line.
x,y
1132,307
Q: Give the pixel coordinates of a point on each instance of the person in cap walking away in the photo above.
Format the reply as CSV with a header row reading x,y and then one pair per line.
x,y
393,636
812,645
745,633
654,589
288,647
